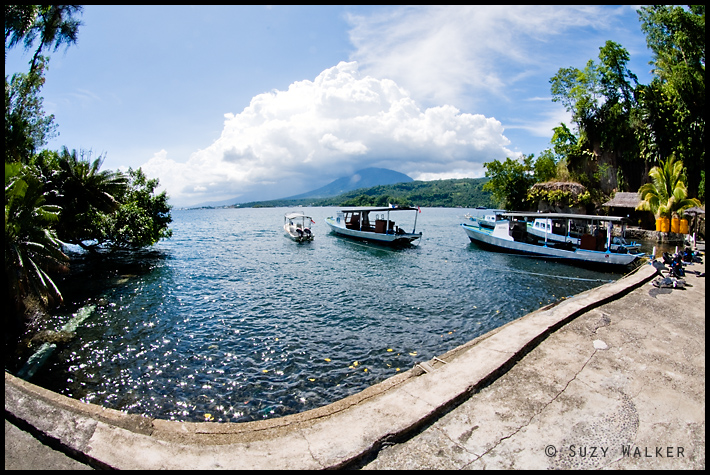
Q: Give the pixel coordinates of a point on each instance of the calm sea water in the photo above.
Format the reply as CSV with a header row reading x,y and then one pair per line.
x,y
231,321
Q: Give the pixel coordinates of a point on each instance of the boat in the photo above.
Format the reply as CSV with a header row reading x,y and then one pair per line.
x,y
374,225
511,234
297,226
619,242
485,217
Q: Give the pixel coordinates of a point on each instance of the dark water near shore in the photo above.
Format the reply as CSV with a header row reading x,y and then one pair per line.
x,y
231,321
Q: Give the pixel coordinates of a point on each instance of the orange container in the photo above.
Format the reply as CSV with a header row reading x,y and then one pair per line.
x,y
675,225
684,226
665,224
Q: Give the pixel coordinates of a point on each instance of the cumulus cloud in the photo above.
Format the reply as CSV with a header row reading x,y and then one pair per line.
x,y
340,122
427,92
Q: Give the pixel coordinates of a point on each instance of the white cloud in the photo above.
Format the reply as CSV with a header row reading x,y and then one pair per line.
x,y
402,102
330,127
463,54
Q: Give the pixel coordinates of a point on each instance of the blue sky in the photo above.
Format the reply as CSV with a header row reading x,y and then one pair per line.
x,y
264,102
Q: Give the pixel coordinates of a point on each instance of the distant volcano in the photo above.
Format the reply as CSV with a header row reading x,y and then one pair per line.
x,y
364,178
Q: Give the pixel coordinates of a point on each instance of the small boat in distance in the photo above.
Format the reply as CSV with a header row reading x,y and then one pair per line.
x,y
374,225
512,233
297,226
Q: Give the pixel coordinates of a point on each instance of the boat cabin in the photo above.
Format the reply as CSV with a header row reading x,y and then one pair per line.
x,y
375,220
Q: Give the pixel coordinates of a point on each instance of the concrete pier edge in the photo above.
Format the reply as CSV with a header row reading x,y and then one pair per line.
x,y
334,436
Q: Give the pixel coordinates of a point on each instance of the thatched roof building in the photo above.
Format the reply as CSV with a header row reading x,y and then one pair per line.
x,y
625,203
624,200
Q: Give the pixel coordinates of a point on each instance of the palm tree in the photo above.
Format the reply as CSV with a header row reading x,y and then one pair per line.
x,y
53,24
666,193
32,249
85,191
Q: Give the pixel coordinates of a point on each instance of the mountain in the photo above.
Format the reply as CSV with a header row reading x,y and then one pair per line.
x,y
365,178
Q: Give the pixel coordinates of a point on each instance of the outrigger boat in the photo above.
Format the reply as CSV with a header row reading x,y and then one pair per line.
x,y
512,234
297,226
373,224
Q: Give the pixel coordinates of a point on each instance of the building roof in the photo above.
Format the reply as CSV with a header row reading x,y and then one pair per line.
x,y
624,200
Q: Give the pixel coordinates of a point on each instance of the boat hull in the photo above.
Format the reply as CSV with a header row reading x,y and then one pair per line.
x,y
571,255
298,237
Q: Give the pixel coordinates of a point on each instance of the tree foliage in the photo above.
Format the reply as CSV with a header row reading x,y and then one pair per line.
x,y
32,249
27,127
143,217
57,198
674,103
49,25
601,98
510,181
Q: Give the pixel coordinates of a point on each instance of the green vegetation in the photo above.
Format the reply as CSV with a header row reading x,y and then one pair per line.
x,y
460,192
623,129
54,198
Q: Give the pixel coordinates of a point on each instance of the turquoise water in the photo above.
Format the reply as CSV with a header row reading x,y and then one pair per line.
x,y
231,321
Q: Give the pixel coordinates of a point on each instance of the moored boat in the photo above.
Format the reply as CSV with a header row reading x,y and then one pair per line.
x,y
297,226
511,234
374,225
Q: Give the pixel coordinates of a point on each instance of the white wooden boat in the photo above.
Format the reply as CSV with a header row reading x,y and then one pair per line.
x,y
511,235
297,226
374,225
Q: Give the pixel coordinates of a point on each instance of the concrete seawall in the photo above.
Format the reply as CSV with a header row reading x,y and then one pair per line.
x,y
343,434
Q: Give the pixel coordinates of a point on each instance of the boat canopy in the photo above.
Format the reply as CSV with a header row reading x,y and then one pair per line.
x,y
367,208
588,217
296,215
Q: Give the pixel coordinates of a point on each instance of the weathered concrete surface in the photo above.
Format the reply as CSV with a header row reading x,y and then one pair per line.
x,y
620,365
622,386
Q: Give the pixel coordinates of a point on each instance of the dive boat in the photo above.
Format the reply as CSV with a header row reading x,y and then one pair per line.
x,y
374,225
511,234
297,226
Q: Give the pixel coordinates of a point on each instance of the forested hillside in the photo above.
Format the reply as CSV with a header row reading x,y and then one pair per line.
x,y
460,192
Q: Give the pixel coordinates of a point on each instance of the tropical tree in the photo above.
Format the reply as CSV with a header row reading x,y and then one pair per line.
x,y
27,127
52,25
666,193
84,193
674,102
510,181
143,217
602,100
32,249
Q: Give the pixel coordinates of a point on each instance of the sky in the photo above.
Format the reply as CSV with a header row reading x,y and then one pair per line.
x,y
245,103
